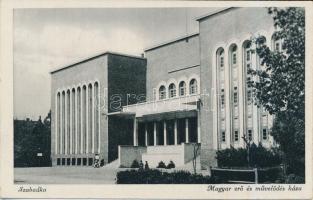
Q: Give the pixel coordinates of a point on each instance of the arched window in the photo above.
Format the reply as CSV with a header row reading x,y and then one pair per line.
x,y
193,88
276,43
220,58
172,90
247,57
233,53
247,51
182,88
162,92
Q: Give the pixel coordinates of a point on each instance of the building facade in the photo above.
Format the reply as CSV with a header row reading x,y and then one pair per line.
x,y
82,95
186,92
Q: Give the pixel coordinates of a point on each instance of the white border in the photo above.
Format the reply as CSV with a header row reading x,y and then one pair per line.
x,y
8,189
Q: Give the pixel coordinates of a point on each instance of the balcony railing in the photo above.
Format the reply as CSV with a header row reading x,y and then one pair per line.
x,y
185,103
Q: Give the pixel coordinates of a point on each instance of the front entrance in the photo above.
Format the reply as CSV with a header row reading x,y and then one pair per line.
x,y
167,132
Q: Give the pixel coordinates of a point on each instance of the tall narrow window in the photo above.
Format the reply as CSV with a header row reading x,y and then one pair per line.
x,y
222,98
276,43
235,95
172,90
249,97
162,92
250,138
182,88
236,136
248,55
220,59
277,46
193,88
247,52
223,136
234,55
264,134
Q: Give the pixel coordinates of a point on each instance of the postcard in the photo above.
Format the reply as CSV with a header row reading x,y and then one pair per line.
x,y
156,99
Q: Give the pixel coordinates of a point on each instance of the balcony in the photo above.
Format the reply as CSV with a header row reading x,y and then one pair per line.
x,y
185,103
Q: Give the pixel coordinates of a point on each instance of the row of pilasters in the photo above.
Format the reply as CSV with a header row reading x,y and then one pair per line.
x,y
77,119
156,139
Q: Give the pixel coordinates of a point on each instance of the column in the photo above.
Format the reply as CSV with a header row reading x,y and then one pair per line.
x,y
81,122
99,115
71,124
165,133
93,119
228,108
87,120
154,133
175,132
61,124
76,115
199,128
56,124
187,129
242,97
146,134
65,120
255,109
135,132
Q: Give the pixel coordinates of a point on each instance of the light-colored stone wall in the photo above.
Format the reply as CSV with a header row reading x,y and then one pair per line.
x,y
127,154
80,74
191,149
233,26
172,63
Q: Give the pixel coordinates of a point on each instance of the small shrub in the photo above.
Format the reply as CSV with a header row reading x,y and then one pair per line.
x,y
170,165
237,157
161,165
153,176
135,164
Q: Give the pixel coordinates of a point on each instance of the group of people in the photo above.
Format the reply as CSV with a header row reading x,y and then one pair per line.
x,y
141,167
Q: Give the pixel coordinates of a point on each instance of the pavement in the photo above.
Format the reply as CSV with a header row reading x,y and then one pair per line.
x,y
66,175
79,175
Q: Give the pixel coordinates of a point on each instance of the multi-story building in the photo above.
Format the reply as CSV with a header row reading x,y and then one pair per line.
x,y
82,95
192,90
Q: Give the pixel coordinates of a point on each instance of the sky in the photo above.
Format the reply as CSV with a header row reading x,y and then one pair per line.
x,y
46,39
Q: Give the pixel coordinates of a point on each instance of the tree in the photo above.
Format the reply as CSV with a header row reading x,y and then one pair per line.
x,y
247,141
279,86
30,138
196,148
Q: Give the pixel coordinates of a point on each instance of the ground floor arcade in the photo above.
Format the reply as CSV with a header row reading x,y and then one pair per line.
x,y
166,132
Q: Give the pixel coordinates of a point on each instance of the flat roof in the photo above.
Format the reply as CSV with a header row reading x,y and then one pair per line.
x,y
213,13
96,56
171,41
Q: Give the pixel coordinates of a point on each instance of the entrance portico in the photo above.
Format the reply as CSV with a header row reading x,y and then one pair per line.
x,y
165,122
166,129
